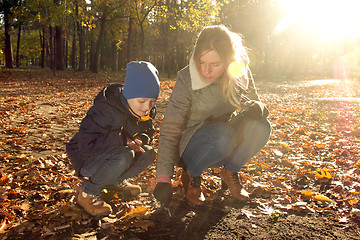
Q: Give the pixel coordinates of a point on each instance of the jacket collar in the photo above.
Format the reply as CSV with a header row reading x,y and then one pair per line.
x,y
197,82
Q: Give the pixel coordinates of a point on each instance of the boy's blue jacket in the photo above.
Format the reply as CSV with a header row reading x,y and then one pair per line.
x,y
106,126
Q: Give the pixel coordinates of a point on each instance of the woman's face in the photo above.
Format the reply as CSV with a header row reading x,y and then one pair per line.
x,y
211,66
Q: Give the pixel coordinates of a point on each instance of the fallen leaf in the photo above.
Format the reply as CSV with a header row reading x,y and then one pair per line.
x,y
323,198
217,170
247,213
353,201
343,220
145,224
25,207
355,212
140,210
2,226
323,173
307,193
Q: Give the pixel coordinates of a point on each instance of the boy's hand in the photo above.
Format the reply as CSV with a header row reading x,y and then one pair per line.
x,y
135,144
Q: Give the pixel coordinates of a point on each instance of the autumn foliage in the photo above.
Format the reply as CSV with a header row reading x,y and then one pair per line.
x,y
310,166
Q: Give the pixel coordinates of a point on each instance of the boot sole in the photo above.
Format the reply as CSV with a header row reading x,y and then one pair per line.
x,y
97,215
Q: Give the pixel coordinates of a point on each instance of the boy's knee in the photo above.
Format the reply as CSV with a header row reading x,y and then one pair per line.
x,y
122,160
149,154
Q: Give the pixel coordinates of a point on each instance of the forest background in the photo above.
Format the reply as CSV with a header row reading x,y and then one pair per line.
x,y
284,40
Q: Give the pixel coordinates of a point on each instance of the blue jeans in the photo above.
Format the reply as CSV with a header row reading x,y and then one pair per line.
x,y
217,145
113,167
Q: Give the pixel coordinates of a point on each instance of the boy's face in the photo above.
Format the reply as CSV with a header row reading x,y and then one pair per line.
x,y
141,106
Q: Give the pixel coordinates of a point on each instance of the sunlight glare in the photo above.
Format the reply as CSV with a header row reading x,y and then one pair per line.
x,y
329,18
236,69
323,81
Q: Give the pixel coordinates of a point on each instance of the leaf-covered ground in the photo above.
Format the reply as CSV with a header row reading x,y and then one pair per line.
x,y
305,184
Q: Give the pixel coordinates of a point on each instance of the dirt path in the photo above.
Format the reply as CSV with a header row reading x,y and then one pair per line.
x,y
304,184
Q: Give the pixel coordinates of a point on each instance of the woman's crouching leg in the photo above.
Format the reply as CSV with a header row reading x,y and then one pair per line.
x,y
255,135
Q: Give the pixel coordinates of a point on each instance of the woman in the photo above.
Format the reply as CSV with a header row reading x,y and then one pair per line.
x,y
196,132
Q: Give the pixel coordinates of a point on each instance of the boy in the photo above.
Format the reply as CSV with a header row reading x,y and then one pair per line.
x,y
113,140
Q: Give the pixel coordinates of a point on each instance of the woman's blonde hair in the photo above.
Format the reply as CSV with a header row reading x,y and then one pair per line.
x,y
229,46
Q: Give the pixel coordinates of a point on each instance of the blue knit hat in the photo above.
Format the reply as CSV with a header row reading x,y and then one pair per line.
x,y
141,81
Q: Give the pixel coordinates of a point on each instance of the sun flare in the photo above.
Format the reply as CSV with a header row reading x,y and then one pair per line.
x,y
328,18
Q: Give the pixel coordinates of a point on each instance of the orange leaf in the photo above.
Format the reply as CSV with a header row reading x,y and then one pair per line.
x,y
323,198
216,170
319,145
324,173
243,177
317,175
140,210
3,225
353,201
3,180
264,166
307,193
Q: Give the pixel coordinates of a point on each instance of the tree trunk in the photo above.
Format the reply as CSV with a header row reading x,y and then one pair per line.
x,y
113,57
47,49
128,50
59,60
142,39
95,67
81,48
58,48
17,61
135,50
164,31
66,51
7,47
265,70
51,48
91,55
42,45
73,52
119,59
76,25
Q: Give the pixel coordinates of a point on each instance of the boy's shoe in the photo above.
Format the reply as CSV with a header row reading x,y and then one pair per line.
x,y
231,179
130,189
192,188
93,204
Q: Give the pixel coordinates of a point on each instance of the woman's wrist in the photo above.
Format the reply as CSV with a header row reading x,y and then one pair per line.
x,y
165,178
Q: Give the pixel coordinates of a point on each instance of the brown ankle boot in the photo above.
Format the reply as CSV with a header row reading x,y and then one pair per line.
x,y
231,179
185,180
129,189
93,204
192,188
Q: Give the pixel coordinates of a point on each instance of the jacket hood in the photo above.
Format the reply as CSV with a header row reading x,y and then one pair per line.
x,y
113,95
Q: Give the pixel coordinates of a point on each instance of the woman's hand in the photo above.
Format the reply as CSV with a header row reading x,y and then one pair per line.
x,y
135,144
163,193
256,110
